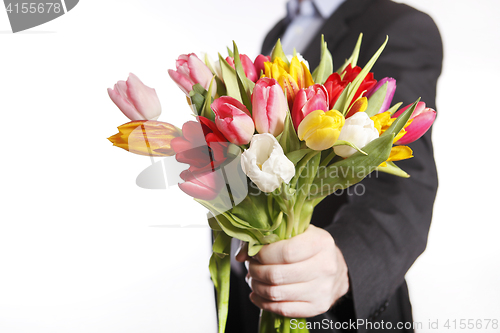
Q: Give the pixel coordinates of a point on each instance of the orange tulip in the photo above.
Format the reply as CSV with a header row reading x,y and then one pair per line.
x,y
150,138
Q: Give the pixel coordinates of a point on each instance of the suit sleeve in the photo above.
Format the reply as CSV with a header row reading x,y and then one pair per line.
x,y
383,227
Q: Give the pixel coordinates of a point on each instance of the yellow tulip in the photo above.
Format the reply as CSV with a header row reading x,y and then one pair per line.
x,y
150,138
383,121
399,153
291,77
320,130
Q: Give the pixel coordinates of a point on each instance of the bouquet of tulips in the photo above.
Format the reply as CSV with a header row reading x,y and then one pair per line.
x,y
269,141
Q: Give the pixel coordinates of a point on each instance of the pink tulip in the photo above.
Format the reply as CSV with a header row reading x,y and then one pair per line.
x,y
259,63
233,120
391,89
191,70
136,100
422,120
308,100
248,66
201,185
269,106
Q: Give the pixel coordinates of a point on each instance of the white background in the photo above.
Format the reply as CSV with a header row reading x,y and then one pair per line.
x,y
83,249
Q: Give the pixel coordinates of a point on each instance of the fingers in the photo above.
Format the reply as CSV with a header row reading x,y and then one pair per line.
x,y
289,292
242,252
287,309
293,250
282,274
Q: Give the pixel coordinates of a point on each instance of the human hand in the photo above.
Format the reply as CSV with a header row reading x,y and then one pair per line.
x,y
299,277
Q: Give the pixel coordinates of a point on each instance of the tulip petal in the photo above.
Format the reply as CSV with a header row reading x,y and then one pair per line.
x,y
144,98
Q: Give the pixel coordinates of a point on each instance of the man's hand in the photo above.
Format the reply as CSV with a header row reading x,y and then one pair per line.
x,y
299,277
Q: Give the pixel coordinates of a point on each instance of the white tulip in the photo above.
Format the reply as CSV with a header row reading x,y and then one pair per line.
x,y
359,130
266,164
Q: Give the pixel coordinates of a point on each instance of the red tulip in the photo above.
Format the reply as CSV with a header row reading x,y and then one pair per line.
x,y
269,106
248,66
421,120
335,84
201,145
307,100
191,70
233,120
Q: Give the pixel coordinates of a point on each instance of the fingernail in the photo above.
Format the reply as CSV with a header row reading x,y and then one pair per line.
x,y
239,249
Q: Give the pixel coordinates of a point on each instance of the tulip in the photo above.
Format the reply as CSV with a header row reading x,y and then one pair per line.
x,y
201,145
383,121
320,130
291,77
269,106
359,105
248,66
136,100
421,120
266,164
398,153
201,185
191,70
233,120
259,63
391,89
358,130
150,138
307,100
336,83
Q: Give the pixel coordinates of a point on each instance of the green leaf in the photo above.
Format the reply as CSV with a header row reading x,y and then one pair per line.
x,y
197,96
254,248
352,170
347,143
226,225
220,269
395,107
230,79
393,169
222,244
206,111
277,52
361,76
376,100
353,59
296,155
325,67
212,222
401,121
229,52
244,84
288,139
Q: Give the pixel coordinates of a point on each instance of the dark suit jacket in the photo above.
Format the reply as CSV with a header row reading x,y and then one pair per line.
x,y
384,230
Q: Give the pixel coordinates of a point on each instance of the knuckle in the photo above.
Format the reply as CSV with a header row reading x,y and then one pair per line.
x,y
273,293
274,276
288,253
283,310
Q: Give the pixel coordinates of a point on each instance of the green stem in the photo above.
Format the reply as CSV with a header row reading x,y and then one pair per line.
x,y
290,222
